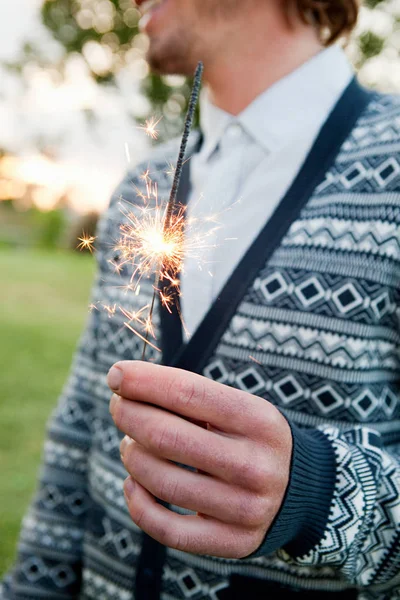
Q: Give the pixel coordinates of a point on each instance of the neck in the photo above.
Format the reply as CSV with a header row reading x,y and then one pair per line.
x,y
241,70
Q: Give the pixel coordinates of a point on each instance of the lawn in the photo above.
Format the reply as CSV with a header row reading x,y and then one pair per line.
x,y
43,306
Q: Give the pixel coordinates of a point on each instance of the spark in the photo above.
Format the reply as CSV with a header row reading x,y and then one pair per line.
x,y
111,310
86,242
134,316
254,359
145,176
147,248
149,127
170,170
166,301
142,337
149,327
116,266
151,188
127,153
154,238
127,288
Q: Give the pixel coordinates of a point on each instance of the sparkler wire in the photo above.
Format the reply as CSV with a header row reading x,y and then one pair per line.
x,y
175,184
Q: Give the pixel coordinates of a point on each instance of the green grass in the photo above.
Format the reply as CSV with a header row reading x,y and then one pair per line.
x,y
43,306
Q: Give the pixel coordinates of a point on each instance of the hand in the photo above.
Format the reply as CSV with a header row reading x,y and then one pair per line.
x,y
240,444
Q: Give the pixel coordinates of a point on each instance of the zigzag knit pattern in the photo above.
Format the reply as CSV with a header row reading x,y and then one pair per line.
x,y
320,322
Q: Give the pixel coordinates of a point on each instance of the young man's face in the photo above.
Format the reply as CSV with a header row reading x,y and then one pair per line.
x,y
182,32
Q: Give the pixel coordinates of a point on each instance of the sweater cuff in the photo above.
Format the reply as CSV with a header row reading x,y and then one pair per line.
x,y
301,521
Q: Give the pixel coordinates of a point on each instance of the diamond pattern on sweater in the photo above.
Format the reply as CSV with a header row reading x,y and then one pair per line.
x,y
189,583
216,371
347,298
288,389
250,380
310,291
322,320
327,399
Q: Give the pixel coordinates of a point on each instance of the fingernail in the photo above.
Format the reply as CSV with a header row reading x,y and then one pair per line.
x,y
129,487
123,446
114,400
114,378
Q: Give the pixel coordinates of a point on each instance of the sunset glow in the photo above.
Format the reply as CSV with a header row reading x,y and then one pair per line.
x,y
47,182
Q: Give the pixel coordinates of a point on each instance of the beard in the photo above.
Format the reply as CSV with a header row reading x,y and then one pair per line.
x,y
173,55
178,51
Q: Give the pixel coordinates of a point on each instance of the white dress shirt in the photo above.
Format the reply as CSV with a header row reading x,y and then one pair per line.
x,y
246,164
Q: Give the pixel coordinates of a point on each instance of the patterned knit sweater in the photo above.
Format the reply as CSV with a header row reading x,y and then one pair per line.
x,y
316,304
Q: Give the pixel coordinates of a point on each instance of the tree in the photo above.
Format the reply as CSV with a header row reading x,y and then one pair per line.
x,y
105,33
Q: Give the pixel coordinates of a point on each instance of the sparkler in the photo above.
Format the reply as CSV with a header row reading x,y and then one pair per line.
x,y
173,248
153,239
148,247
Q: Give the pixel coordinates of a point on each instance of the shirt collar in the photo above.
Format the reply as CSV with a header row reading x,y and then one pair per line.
x,y
295,103
213,122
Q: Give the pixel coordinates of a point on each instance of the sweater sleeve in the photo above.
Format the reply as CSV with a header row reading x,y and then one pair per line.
x,y
49,555
48,563
342,506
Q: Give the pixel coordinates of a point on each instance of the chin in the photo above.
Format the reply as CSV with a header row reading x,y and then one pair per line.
x,y
163,62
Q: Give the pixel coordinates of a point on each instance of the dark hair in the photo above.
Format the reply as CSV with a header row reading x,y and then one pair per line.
x,y
333,18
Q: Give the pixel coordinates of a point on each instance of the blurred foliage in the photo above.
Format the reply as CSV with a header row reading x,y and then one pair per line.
x,y
371,44
46,230
106,34
17,228
51,227
43,306
372,3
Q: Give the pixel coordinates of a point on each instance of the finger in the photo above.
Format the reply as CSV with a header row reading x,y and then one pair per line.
x,y
193,491
191,395
195,534
171,437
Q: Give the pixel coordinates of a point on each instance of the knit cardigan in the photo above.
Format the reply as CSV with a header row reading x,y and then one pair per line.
x,y
309,320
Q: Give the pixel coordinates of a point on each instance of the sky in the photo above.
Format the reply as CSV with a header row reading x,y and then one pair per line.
x,y
91,157
16,18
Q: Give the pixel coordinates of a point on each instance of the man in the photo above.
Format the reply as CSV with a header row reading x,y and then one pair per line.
x,y
283,400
